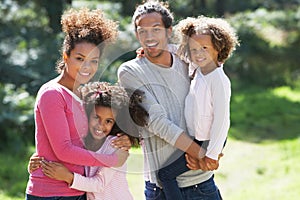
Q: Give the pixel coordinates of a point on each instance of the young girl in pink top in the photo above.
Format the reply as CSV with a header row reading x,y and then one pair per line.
x,y
108,103
60,118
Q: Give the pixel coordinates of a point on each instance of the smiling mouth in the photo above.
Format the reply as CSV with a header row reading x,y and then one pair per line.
x,y
84,73
200,59
99,132
151,45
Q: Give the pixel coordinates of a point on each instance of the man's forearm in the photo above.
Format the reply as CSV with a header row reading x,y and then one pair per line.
x,y
186,144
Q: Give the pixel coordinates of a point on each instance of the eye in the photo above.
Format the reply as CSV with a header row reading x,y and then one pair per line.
x,y
95,61
79,58
157,30
141,31
193,51
109,121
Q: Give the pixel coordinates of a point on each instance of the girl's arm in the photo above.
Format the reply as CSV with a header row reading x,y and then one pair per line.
x,y
76,181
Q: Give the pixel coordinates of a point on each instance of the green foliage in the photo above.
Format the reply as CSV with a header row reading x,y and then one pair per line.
x,y
29,47
269,44
16,118
13,174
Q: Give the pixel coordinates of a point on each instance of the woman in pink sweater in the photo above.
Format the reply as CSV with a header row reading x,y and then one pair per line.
x,y
108,102
60,118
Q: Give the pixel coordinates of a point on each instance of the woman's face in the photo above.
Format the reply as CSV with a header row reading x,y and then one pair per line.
x,y
82,63
101,121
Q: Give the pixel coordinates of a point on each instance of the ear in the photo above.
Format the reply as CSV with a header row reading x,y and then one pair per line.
x,y
137,36
169,32
65,57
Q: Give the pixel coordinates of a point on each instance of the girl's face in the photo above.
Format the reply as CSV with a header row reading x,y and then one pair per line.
x,y
101,122
82,63
203,52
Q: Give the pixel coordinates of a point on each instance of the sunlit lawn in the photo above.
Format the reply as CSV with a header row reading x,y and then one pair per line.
x,y
261,158
251,171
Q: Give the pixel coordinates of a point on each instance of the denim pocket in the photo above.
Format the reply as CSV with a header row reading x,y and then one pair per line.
x,y
152,191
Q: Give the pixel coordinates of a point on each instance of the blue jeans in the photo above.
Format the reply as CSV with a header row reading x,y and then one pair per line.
x,y
153,192
206,190
31,197
167,175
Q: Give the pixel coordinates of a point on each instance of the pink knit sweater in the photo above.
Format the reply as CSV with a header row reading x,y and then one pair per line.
x,y
61,124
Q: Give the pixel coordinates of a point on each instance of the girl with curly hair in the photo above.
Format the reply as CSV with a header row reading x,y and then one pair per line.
x,y
60,118
107,105
205,43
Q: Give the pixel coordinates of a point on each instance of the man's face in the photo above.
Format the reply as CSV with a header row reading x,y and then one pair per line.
x,y
152,35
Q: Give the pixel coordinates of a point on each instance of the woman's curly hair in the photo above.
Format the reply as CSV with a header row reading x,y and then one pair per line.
x,y
223,35
86,25
127,104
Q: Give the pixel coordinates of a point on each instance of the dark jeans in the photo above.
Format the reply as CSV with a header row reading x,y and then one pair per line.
x,y
206,190
167,175
31,197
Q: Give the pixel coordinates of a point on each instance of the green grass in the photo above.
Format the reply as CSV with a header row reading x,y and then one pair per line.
x,y
261,158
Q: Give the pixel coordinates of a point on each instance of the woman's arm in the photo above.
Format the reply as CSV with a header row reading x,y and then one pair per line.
x,y
51,107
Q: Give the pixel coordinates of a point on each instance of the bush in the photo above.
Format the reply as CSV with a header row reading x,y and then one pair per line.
x,y
269,43
16,118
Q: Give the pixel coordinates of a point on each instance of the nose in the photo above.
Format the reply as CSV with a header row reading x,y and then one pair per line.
x,y
86,64
101,126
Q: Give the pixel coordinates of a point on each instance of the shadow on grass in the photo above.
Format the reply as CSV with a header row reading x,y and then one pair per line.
x,y
259,115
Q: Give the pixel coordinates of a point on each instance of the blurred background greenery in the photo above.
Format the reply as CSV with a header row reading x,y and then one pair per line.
x,y
264,70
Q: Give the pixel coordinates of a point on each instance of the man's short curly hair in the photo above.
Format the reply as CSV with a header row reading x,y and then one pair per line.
x,y
223,35
152,6
86,25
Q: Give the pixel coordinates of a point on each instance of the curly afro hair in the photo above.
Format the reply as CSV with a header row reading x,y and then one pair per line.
x,y
223,35
86,25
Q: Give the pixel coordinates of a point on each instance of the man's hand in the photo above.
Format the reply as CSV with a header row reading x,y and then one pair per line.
x,y
121,142
195,164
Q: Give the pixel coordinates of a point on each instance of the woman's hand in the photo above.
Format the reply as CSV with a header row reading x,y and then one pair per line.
x,y
121,142
34,162
57,171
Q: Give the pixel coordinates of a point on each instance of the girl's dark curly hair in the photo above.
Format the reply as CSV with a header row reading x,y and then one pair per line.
x,y
130,115
85,25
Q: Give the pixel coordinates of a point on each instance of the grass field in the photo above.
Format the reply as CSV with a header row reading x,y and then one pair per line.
x,y
250,171
261,158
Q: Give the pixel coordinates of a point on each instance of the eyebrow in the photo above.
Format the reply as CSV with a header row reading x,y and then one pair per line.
x,y
96,57
154,25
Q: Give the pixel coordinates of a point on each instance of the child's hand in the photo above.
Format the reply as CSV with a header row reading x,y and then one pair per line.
x,y
122,157
121,142
57,171
140,52
211,164
34,163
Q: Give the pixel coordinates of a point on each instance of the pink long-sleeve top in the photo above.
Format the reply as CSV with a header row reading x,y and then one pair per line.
x,y
61,124
103,182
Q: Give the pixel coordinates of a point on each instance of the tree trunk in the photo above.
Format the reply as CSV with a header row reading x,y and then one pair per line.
x,y
220,7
